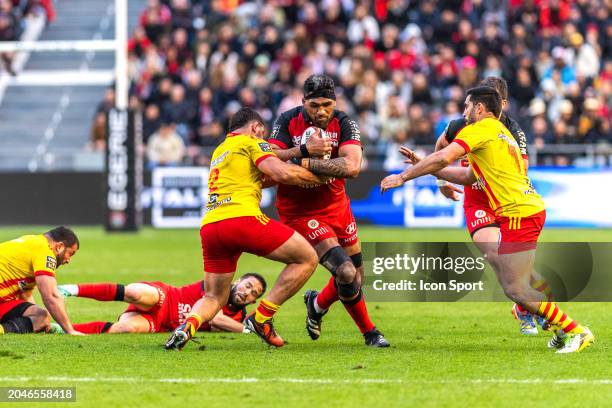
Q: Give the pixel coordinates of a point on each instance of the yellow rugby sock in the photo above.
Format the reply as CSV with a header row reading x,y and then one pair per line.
x,y
542,286
265,311
195,320
556,317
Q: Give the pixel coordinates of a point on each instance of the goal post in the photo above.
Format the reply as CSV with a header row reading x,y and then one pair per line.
x,y
123,158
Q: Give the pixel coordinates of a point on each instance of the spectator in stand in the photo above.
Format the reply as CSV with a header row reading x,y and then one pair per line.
x,y
165,147
420,54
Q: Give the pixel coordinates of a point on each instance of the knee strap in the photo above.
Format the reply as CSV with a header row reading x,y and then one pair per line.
x,y
357,260
333,258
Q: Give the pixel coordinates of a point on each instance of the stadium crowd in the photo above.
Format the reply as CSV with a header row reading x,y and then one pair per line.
x,y
13,14
401,68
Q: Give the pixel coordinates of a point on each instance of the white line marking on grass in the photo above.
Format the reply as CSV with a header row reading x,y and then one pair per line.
x,y
579,381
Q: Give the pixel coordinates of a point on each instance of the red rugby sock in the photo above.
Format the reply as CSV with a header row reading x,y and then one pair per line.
x,y
102,291
359,313
93,327
328,295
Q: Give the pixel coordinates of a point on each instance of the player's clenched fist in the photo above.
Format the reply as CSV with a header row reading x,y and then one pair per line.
x,y
317,145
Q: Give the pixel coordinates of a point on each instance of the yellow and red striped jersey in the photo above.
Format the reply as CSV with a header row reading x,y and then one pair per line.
x,y
234,182
495,158
21,260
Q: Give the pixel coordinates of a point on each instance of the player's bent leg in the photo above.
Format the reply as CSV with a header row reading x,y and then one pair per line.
x,y
131,322
142,295
301,261
13,317
486,240
41,320
205,309
357,308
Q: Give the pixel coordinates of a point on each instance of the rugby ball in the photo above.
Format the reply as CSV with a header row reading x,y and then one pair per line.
x,y
313,130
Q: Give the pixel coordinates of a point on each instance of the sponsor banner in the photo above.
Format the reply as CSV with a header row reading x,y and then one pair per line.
x,y
448,272
123,171
573,198
178,195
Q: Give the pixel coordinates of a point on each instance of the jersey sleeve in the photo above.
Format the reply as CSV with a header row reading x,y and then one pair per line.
x,y
349,131
280,132
470,138
43,262
258,150
237,315
518,134
453,128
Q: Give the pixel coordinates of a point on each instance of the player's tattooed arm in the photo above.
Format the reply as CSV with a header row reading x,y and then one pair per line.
x,y
332,168
348,165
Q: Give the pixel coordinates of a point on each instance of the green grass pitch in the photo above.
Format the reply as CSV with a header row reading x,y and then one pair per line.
x,y
442,354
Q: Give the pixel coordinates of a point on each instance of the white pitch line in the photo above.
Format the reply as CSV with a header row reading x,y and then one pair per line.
x,y
248,380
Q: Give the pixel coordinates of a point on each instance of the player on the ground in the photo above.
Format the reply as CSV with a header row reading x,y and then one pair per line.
x,y
157,307
235,224
25,263
496,163
479,217
322,213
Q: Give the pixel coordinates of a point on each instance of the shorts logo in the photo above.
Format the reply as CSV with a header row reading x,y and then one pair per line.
x,y
352,227
313,224
51,263
480,213
183,310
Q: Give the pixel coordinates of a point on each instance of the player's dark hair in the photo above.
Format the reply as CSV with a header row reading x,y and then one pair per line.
x,y
498,83
65,235
257,276
489,97
242,117
319,86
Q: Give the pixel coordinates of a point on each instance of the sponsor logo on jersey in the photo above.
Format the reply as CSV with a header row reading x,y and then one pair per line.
x,y
482,218
313,224
355,132
219,159
51,263
265,147
211,205
510,140
318,232
351,228
183,310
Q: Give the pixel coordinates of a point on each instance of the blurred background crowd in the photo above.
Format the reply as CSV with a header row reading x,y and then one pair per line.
x,y
12,23
401,67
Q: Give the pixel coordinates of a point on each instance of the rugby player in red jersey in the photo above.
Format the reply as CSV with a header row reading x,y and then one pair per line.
x,y
479,217
322,213
156,307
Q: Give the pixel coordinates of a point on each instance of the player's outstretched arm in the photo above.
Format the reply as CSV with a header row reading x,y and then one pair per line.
x,y
224,323
457,175
429,165
286,173
347,165
54,302
441,143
